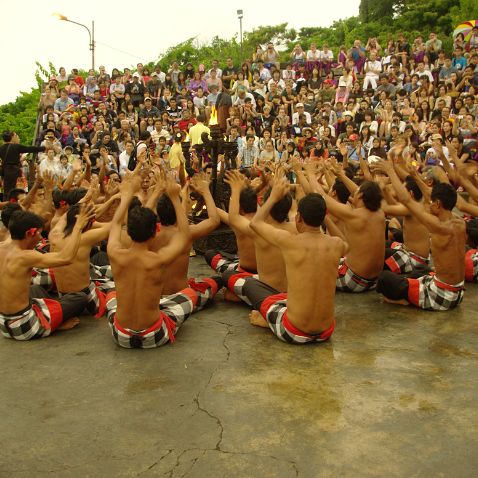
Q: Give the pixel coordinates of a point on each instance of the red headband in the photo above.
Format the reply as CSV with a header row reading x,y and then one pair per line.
x,y
32,231
158,227
62,203
13,200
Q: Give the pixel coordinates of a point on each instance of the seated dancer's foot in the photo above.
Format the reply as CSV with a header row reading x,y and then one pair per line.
x,y
69,323
230,296
256,318
398,302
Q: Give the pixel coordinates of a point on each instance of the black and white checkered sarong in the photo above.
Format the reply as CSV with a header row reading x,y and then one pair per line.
x,y
429,293
174,310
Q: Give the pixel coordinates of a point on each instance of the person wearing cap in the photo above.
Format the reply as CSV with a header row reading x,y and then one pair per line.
x,y
136,90
342,93
300,110
355,150
437,153
346,118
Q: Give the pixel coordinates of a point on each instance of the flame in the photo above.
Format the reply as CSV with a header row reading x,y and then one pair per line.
x,y
213,117
186,140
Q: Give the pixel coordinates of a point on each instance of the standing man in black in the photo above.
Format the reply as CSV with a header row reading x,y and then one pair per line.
x,y
10,153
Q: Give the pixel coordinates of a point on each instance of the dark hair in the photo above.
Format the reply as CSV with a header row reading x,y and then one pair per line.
x,y
14,193
341,191
7,135
165,211
8,211
74,196
248,200
58,195
312,209
21,221
145,135
141,224
446,194
412,186
472,232
280,210
371,195
71,215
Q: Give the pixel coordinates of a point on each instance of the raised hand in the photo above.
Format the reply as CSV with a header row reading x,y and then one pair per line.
x,y
86,214
131,184
382,166
77,165
280,187
48,180
235,180
200,183
172,187
295,165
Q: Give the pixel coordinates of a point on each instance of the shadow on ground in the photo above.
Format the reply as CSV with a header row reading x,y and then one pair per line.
x,y
392,394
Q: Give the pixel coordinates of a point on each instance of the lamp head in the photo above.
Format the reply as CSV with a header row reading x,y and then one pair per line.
x,y
59,16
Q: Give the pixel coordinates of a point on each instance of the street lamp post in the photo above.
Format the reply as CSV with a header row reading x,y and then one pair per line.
x,y
240,14
91,33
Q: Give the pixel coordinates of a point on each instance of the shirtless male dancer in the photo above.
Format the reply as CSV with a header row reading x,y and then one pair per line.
x,y
306,312
270,262
136,316
175,276
246,261
364,232
75,277
443,290
415,251
25,312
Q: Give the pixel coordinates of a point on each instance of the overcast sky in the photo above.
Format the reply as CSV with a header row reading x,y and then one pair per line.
x,y
138,30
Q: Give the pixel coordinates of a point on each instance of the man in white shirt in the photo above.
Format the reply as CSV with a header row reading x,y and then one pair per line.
x,y
124,157
215,66
159,131
299,110
326,59
421,71
372,69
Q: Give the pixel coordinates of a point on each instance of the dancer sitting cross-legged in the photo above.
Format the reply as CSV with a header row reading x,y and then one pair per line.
x,y
136,316
27,312
306,312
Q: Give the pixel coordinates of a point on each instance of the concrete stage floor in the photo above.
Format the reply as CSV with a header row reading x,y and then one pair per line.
x,y
392,394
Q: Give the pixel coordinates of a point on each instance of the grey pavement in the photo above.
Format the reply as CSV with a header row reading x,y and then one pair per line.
x,y
392,394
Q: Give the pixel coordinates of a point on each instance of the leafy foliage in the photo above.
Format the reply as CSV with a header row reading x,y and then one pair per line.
x,y
20,115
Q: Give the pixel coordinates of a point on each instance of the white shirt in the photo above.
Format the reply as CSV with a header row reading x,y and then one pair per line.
x,y
376,66
123,163
295,118
326,55
313,55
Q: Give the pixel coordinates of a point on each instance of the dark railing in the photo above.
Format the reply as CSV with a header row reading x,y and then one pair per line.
x,y
35,142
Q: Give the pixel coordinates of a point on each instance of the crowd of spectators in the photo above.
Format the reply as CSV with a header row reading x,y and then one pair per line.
x,y
316,105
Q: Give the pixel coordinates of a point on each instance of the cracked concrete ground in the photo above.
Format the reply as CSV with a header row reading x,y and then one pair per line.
x,y
393,394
